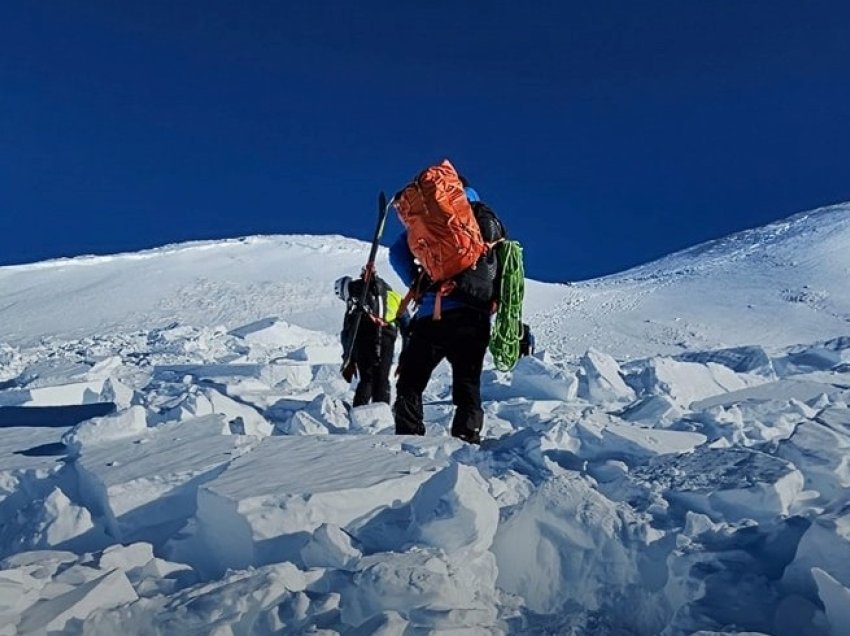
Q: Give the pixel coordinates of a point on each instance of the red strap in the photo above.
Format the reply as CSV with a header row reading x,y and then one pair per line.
x,y
444,289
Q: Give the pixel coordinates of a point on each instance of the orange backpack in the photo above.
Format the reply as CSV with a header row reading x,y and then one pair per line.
x,y
442,232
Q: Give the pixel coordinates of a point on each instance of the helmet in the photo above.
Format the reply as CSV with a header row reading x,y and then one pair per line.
x,y
341,287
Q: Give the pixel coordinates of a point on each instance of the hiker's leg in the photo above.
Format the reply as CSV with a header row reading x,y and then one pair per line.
x,y
470,336
418,360
381,378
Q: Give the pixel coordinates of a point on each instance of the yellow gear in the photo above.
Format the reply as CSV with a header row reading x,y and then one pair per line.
x,y
393,303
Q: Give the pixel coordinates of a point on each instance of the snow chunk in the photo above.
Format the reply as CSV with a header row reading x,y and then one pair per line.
x,y
107,591
800,389
535,379
752,359
822,453
373,419
569,544
825,355
49,522
329,547
275,333
836,600
74,393
108,429
601,380
727,483
659,410
604,436
146,484
825,546
307,481
454,511
424,588
688,382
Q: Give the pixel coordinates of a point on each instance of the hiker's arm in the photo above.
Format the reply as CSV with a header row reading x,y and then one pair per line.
x,y
402,260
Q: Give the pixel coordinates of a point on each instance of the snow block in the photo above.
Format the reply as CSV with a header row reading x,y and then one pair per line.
x,y
603,436
425,589
103,430
109,590
372,419
273,333
306,481
317,354
74,393
825,546
656,410
568,544
329,547
331,412
751,359
454,511
801,390
537,380
836,601
729,484
688,382
601,380
302,423
821,453
825,355
291,376
146,484
47,523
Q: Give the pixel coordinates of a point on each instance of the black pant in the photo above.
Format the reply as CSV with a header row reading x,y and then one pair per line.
x,y
461,336
374,357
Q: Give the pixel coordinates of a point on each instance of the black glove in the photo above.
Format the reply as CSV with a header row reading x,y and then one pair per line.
x,y
349,372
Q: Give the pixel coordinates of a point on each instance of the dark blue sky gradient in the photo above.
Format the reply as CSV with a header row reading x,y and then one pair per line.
x,y
604,133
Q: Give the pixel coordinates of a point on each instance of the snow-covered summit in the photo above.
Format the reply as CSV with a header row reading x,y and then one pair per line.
x,y
776,285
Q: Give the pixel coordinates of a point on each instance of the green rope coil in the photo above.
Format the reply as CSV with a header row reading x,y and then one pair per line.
x,y
507,328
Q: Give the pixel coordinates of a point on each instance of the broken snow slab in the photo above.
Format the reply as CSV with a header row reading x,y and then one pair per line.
x,y
275,334
686,383
536,379
748,359
146,482
824,545
306,481
41,591
726,483
569,544
601,379
802,388
53,614
604,437
62,395
657,410
24,448
821,450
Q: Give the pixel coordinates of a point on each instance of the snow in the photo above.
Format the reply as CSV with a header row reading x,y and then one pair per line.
x,y
181,457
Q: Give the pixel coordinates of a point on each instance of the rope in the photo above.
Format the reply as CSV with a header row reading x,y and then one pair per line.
x,y
507,328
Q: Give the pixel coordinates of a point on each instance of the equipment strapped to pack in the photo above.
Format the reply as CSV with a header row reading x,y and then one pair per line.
x,y
507,329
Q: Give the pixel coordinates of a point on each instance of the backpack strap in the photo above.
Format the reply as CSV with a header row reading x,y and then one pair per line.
x,y
414,293
444,289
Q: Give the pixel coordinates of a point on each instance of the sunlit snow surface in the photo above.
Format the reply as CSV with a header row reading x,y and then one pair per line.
x,y
177,457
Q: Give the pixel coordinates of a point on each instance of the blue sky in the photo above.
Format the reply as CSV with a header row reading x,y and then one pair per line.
x,y
604,133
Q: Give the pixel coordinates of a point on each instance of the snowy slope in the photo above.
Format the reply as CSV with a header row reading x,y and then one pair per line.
x,y
176,455
774,286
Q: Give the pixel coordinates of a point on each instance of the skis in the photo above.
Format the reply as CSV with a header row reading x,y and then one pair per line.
x,y
368,271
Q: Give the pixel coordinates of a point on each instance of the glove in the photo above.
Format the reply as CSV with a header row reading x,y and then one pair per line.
x,y
349,372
